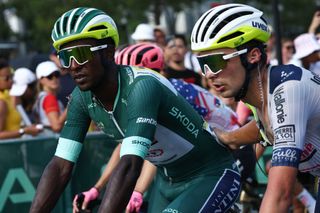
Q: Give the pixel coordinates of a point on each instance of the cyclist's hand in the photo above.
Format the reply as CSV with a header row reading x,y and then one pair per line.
x,y
83,202
135,202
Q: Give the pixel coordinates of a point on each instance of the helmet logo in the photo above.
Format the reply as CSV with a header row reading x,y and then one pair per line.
x,y
260,26
104,34
239,42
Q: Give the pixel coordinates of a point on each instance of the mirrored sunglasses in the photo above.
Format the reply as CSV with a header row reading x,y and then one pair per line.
x,y
217,61
81,54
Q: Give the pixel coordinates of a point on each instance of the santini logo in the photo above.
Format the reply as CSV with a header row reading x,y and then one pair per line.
x,y
260,26
146,120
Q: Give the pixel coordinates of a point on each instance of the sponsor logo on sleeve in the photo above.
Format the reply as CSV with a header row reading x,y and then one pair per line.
x,y
146,120
279,101
286,156
284,135
285,74
140,142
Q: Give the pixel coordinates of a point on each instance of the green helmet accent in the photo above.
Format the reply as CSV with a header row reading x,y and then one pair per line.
x,y
228,26
80,23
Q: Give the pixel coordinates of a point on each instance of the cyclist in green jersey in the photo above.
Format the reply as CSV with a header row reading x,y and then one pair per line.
x,y
145,112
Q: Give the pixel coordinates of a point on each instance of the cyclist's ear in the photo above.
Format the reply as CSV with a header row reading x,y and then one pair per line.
x,y
254,55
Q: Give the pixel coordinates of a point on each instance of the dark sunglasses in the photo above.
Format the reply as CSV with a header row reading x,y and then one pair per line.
x,y
55,74
217,61
81,54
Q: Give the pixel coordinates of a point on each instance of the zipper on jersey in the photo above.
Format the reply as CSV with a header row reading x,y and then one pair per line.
x,y
115,122
166,174
110,113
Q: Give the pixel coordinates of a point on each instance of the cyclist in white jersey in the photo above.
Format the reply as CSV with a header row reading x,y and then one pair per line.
x,y
230,43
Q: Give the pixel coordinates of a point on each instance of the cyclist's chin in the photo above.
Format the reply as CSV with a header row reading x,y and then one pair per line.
x,y
84,86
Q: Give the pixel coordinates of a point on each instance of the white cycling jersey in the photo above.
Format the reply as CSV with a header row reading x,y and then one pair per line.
x,y
294,114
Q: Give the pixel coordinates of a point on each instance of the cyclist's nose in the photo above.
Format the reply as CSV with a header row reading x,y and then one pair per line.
x,y
74,64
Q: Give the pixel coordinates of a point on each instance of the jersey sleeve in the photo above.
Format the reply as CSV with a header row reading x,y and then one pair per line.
x,y
144,100
78,119
50,104
289,115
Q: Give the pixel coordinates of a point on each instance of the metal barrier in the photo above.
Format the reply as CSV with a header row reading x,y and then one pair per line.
x,y
22,162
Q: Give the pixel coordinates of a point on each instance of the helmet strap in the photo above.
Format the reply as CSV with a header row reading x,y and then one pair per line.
x,y
248,68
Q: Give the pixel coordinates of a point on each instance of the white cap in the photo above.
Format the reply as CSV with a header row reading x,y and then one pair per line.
x,y
305,44
21,78
44,69
143,32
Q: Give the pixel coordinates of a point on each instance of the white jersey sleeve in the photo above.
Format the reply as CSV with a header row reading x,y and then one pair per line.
x,y
294,113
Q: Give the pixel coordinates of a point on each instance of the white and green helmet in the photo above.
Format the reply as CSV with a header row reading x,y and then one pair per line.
x,y
82,22
229,26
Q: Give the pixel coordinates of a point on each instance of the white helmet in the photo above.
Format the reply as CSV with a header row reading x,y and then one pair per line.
x,y
228,26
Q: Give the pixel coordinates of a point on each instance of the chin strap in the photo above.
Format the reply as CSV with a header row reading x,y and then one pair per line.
x,y
248,67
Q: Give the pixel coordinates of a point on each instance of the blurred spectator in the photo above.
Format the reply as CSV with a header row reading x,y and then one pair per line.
x,y
24,91
66,82
315,23
51,111
143,33
175,51
191,62
271,50
160,36
307,51
10,118
287,51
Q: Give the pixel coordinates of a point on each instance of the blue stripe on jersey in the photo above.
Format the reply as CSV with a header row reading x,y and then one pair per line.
x,y
68,149
286,156
224,194
135,145
283,73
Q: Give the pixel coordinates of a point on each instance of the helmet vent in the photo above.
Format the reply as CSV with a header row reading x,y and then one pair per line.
x,y
228,20
141,53
58,28
73,22
100,27
129,55
210,22
231,36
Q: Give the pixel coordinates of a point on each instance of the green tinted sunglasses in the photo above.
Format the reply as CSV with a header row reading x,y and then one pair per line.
x,y
217,61
81,54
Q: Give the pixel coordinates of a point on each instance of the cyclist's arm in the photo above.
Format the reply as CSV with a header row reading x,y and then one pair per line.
x,y
52,184
248,134
279,193
121,184
113,162
146,176
135,145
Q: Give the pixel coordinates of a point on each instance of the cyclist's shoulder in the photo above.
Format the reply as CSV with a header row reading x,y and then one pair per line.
x,y
78,96
135,76
285,75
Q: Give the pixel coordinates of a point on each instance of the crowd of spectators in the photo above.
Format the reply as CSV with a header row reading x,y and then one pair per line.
x,y
34,102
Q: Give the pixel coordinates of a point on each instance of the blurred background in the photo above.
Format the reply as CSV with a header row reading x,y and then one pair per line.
x,y
25,26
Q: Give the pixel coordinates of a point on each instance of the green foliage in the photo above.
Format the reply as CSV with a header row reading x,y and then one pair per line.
x,y
39,15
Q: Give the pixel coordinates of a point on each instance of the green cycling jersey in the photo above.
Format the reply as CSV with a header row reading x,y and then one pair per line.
x,y
154,122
